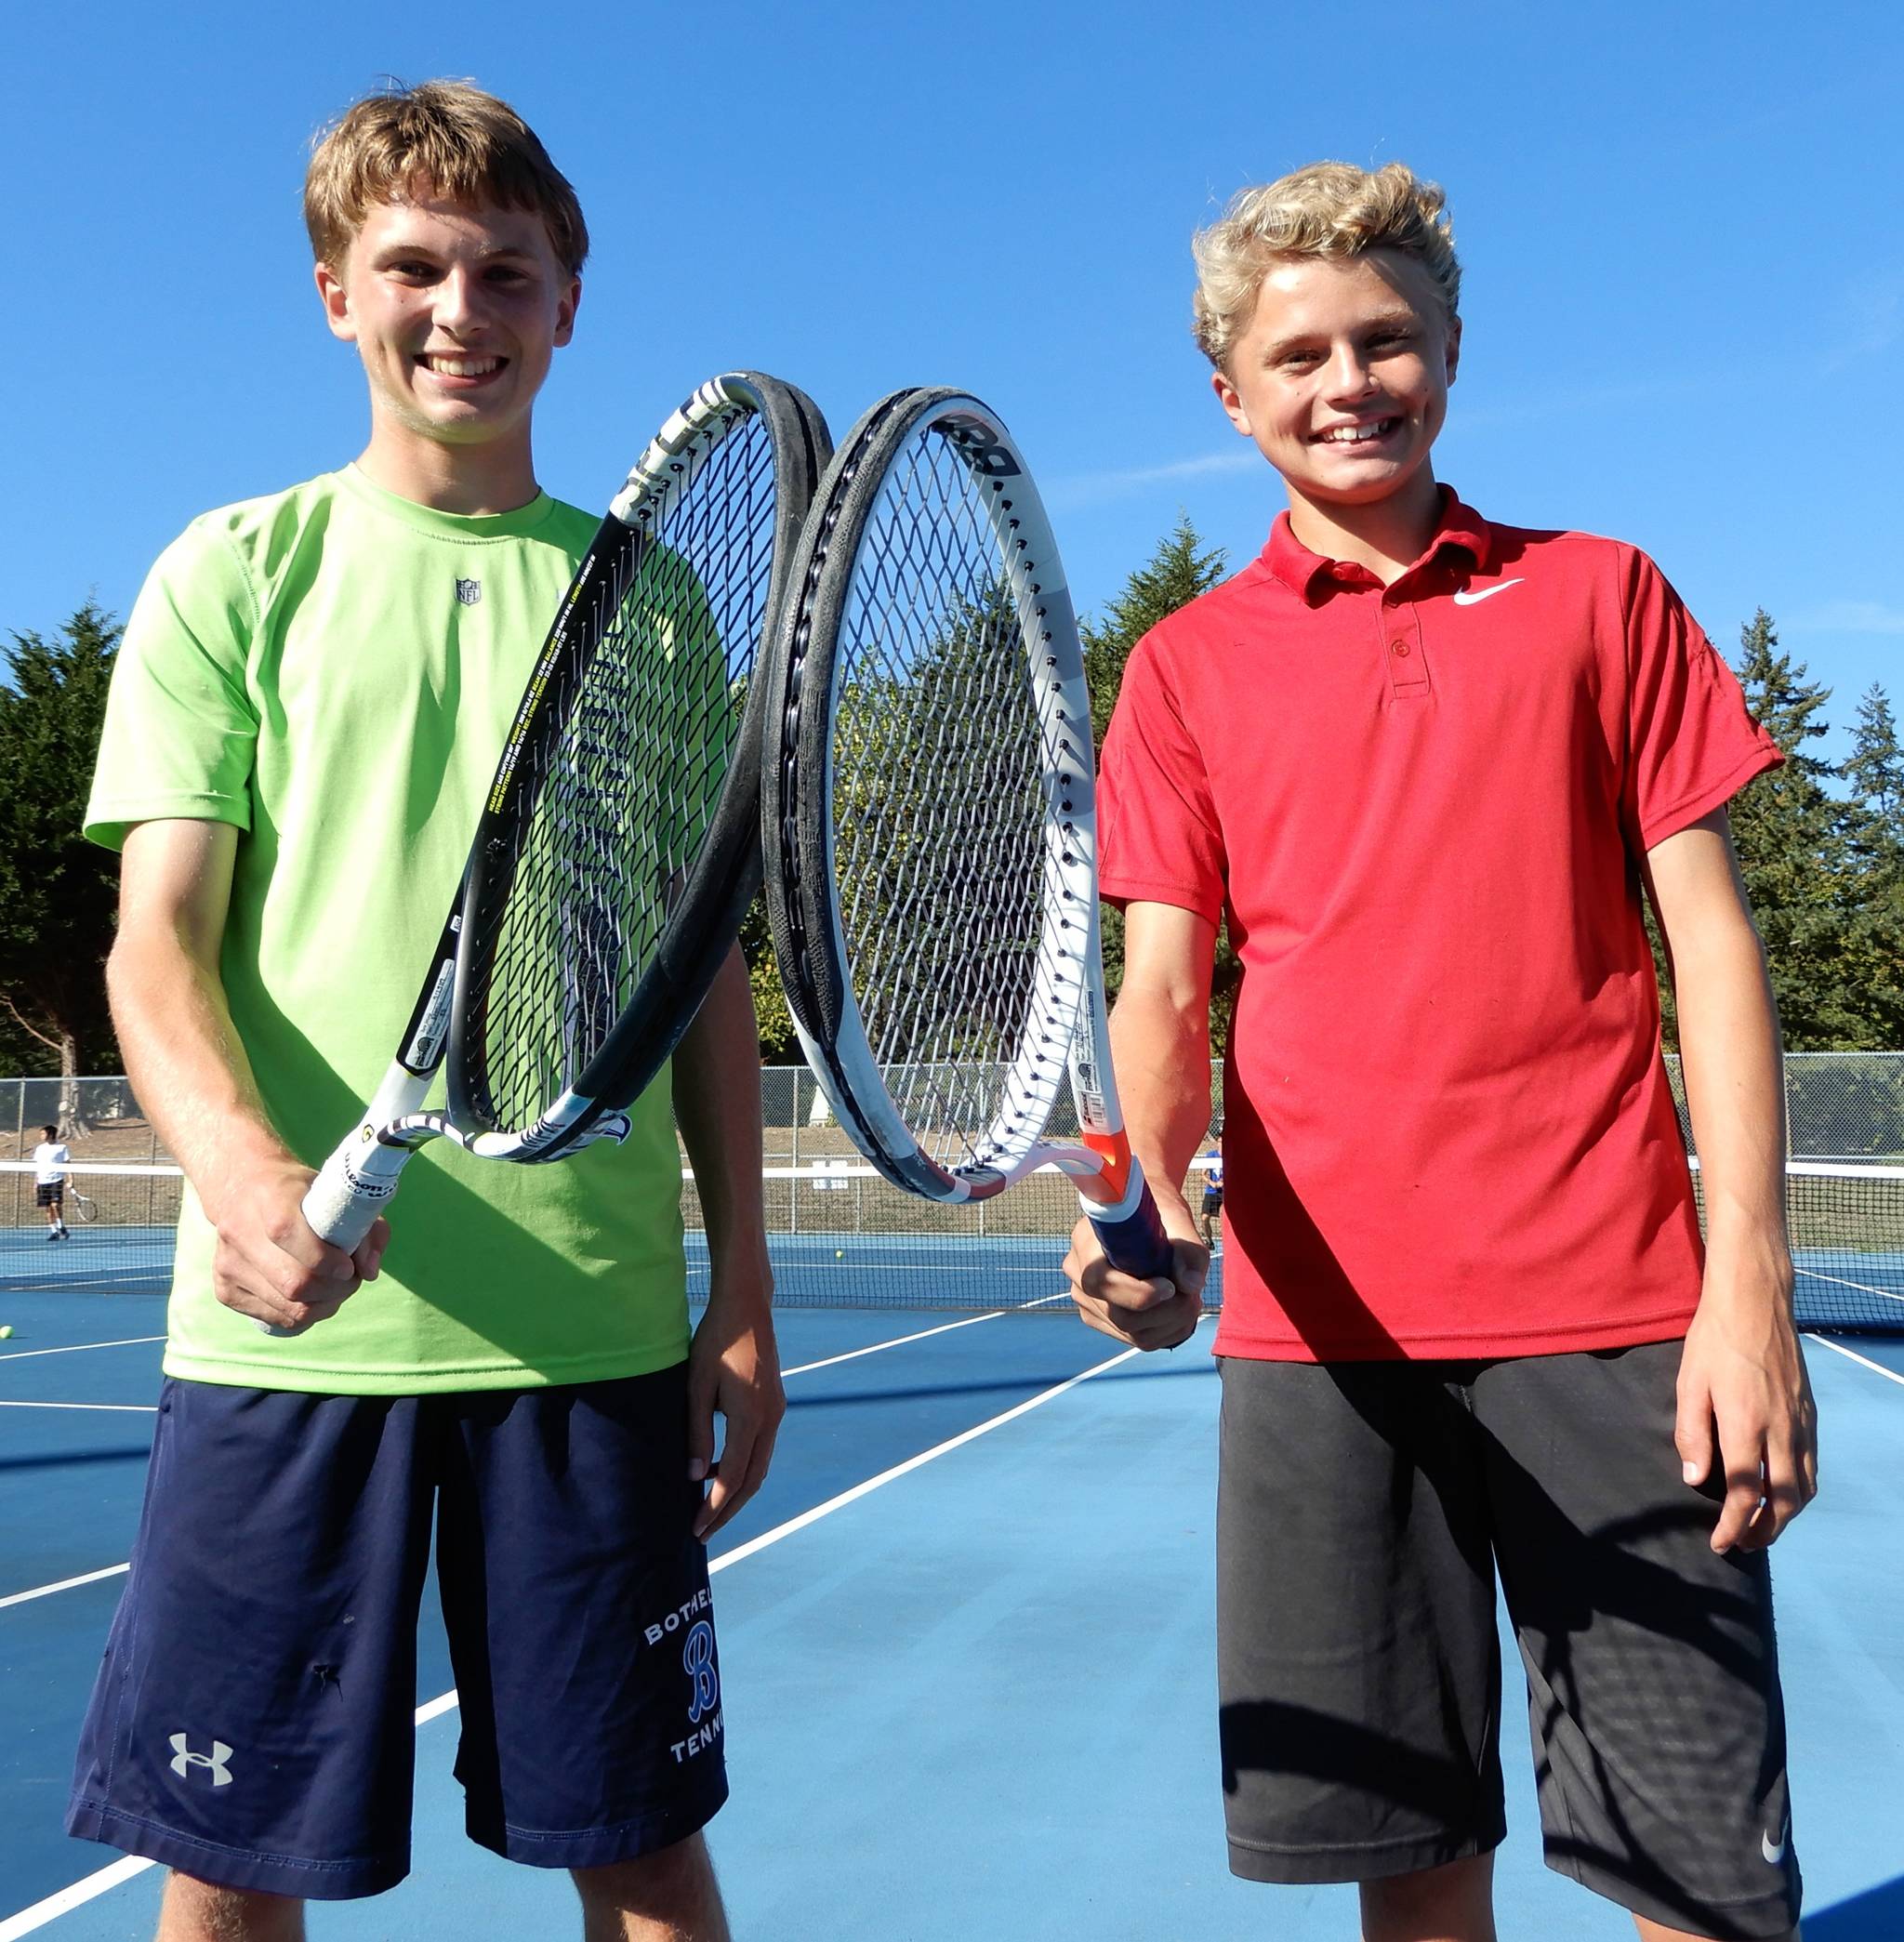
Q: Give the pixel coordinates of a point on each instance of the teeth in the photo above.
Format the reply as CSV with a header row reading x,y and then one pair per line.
x,y
463,367
1355,434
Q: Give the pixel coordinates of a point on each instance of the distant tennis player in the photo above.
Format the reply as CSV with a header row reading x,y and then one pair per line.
x,y
1424,763
303,675
51,1158
1211,1213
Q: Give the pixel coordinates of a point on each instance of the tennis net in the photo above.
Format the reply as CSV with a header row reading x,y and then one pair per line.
x,y
841,1238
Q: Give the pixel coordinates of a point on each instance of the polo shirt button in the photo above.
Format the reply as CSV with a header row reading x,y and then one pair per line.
x,y
1398,647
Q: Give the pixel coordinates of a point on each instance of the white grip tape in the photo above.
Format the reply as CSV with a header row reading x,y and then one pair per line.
x,y
351,1191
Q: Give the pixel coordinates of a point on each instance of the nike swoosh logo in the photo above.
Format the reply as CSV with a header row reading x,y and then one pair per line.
x,y
1773,1855
1465,599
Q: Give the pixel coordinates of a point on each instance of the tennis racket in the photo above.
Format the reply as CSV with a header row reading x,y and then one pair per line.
x,y
929,825
84,1207
619,843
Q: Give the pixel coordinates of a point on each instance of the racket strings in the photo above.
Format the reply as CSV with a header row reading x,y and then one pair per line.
x,y
616,807
941,760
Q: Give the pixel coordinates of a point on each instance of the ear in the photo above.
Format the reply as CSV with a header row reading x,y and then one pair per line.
x,y
1231,400
336,299
565,310
1454,346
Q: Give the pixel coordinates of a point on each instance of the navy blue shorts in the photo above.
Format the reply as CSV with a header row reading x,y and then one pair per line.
x,y
252,1724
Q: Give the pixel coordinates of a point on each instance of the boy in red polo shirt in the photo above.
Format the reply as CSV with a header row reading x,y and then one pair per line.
x,y
1423,765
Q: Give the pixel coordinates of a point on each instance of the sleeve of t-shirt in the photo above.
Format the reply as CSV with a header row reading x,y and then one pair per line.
x,y
180,726
1158,837
1692,744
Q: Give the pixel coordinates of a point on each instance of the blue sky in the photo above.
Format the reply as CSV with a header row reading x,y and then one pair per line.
x,y
1683,291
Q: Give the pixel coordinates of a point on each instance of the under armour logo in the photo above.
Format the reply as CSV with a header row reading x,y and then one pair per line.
x,y
697,1656
468,591
184,1759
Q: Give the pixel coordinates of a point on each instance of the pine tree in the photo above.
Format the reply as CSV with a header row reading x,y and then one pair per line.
x,y
1874,828
1875,769
58,892
1802,867
1179,570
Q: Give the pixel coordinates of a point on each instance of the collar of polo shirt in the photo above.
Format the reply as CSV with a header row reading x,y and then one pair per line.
x,y
1313,577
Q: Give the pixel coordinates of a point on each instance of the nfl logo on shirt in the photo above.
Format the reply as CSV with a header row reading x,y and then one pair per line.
x,y
468,591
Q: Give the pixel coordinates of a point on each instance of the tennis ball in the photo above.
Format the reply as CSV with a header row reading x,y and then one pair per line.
x,y
840,1254
6,1331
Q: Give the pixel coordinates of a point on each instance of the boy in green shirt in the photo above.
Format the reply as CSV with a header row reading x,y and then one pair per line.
x,y
302,676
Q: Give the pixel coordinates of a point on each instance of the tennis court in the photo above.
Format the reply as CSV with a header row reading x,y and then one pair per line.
x,y
966,1628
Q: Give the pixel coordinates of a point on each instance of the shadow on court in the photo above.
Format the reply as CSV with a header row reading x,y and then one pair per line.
x,y
73,1459
1875,1916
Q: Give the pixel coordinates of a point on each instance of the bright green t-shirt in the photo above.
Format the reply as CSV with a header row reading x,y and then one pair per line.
x,y
333,669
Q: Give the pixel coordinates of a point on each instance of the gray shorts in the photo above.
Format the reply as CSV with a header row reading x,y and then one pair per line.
x,y
1363,1510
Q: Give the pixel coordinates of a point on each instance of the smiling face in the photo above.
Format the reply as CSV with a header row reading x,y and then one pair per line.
x,y
1340,377
456,311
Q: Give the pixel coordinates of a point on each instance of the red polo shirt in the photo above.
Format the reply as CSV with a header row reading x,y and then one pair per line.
x,y
1448,1129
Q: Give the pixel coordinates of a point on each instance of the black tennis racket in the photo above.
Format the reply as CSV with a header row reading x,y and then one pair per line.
x,y
619,843
929,825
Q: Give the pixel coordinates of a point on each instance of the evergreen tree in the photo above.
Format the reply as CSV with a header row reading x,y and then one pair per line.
x,y
1876,768
1874,824
1803,869
58,892
1179,570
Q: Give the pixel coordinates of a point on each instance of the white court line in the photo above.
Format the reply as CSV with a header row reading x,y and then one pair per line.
x,y
911,1463
108,1878
132,1408
65,1584
1824,1342
899,1342
81,1892
68,1899
73,1348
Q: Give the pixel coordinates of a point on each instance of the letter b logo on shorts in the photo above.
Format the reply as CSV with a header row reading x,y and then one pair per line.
x,y
697,1655
184,1759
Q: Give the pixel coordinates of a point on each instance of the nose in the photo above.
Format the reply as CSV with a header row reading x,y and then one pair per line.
x,y
458,302
1349,376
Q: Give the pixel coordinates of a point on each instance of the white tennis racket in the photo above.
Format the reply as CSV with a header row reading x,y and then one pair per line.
x,y
929,825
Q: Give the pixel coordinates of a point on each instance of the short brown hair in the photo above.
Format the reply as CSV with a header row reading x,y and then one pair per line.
x,y
1328,209
466,144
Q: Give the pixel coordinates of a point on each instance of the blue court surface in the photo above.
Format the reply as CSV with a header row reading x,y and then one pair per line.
x,y
966,1642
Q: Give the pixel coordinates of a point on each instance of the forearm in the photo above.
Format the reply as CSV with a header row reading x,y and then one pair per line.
x,y
1160,1043
1728,1037
188,1067
717,1106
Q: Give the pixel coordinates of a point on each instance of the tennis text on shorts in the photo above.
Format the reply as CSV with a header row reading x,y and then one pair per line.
x,y
682,1614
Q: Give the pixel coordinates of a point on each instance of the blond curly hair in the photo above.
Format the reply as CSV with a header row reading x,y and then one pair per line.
x,y
1328,209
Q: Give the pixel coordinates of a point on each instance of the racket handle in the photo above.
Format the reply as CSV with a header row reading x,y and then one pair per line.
x,y
351,1189
1133,1232
350,1192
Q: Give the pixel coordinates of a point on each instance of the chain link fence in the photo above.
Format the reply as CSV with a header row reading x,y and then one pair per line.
x,y
1841,1107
